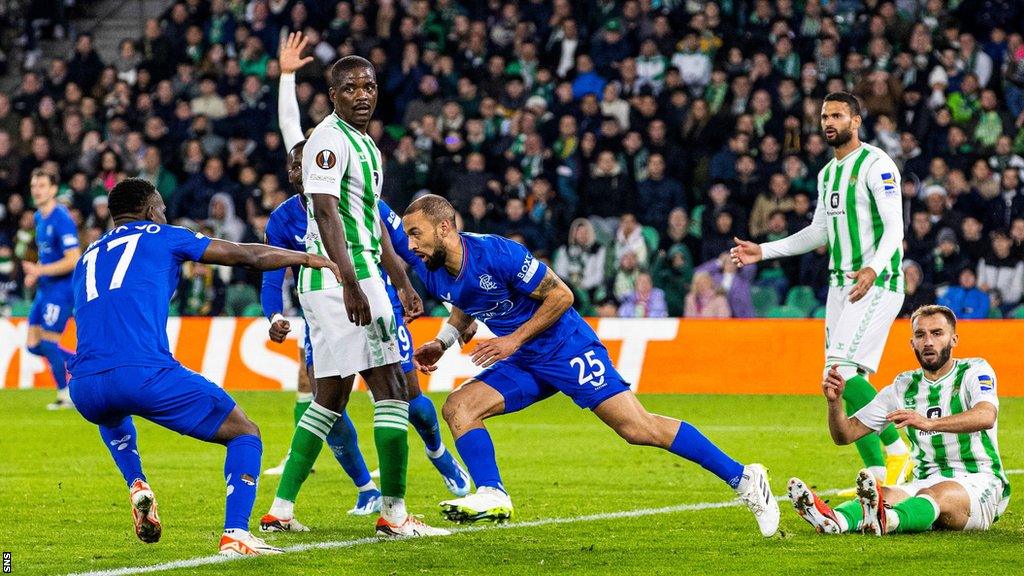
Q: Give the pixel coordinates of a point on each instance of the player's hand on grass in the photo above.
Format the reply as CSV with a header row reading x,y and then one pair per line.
x,y
468,333
426,356
279,330
411,303
490,351
833,385
745,252
290,56
356,304
31,270
904,418
864,278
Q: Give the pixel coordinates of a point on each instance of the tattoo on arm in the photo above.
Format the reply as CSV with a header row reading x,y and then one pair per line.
x,y
549,283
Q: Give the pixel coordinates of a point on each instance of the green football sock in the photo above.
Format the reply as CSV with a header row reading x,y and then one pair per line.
x,y
391,436
853,513
301,404
312,429
857,395
915,514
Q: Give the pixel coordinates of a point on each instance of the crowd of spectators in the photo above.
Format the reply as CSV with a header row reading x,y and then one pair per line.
x,y
626,142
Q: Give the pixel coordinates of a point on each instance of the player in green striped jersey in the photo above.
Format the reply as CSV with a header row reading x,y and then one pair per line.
x,y
351,321
949,408
859,216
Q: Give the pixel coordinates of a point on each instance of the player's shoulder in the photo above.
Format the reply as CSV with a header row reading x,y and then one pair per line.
x,y
979,367
904,379
394,221
877,158
287,209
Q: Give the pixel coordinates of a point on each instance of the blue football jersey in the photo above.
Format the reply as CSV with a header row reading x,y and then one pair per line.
x,y
494,286
400,242
55,234
122,285
286,228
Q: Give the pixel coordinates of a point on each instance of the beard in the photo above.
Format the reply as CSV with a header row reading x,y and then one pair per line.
x,y
437,258
841,137
939,361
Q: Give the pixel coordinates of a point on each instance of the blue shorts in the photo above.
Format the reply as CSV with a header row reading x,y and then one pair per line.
x,y
579,368
404,341
51,309
307,347
175,398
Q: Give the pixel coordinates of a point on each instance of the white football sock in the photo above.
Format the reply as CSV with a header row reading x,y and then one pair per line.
x,y
282,509
393,509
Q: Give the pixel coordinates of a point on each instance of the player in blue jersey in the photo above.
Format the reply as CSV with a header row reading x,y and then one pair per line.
x,y
287,228
124,367
542,347
57,239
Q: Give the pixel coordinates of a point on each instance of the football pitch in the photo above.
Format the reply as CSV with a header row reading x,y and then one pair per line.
x,y
586,502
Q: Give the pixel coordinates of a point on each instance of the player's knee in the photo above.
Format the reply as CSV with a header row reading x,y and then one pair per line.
x,y
459,409
637,434
249,428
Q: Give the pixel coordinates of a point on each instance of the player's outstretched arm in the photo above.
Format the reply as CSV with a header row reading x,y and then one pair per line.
x,y
814,235
411,301
977,418
332,234
262,257
290,59
555,299
66,265
845,430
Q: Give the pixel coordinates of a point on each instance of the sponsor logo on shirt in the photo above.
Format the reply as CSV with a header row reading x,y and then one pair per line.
x,y
326,159
70,240
487,283
528,269
322,178
889,183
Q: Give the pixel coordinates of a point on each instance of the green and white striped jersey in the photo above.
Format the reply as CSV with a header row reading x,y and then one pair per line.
x,y
860,216
970,382
340,161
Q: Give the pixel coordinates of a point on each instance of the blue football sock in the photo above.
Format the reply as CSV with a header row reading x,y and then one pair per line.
x,y
56,356
695,447
241,472
344,443
122,442
477,451
423,417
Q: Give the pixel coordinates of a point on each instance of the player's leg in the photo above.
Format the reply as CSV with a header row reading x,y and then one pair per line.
x,y
344,444
501,389
624,413
303,396
329,398
423,417
855,338
99,401
47,319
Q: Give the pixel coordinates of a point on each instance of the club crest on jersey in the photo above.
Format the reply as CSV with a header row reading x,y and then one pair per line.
x,y
325,159
487,283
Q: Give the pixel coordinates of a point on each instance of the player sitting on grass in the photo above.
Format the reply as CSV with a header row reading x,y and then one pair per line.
x,y
124,367
543,347
949,410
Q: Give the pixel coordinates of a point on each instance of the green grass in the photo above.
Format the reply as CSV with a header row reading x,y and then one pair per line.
x,y
65,508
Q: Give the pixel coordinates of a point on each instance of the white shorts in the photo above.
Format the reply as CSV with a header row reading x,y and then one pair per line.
x,y
984,490
340,348
855,332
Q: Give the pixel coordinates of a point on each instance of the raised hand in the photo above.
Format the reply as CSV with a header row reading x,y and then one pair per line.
x,y
290,56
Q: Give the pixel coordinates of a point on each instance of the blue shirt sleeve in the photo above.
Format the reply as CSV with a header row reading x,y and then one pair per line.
x,y
65,233
516,266
271,298
185,244
399,239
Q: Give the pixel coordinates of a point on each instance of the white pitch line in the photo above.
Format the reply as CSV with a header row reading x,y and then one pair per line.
x,y
641,512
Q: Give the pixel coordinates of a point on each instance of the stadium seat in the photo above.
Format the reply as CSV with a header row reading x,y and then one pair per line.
x,y
819,312
764,299
786,312
1018,313
239,296
20,308
254,310
802,297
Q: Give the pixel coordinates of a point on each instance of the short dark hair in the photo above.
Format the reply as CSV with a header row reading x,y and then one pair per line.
x,y
932,310
346,64
129,196
436,208
846,98
41,173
